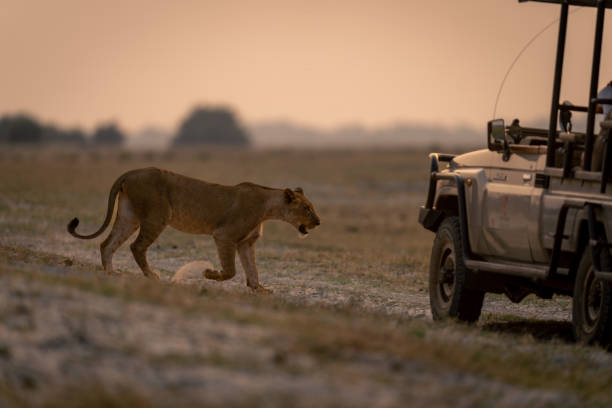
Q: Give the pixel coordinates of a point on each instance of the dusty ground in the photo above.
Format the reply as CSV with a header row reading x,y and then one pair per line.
x,y
348,323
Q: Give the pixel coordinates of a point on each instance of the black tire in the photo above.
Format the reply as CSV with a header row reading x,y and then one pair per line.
x,y
592,304
448,294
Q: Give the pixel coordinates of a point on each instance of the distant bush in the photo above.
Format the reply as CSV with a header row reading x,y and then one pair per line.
x,y
108,135
51,134
20,129
211,126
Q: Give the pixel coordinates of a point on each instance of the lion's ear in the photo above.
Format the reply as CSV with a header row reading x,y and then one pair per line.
x,y
299,190
289,196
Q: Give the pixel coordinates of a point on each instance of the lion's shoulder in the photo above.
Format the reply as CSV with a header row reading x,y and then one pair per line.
x,y
253,186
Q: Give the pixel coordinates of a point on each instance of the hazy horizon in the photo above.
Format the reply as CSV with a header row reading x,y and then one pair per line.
x,y
322,64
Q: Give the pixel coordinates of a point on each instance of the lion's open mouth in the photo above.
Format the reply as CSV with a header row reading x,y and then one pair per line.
x,y
302,229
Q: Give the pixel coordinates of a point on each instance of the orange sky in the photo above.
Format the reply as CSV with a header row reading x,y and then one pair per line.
x,y
323,63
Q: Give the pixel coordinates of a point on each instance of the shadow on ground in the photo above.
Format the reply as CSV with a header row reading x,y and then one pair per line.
x,y
540,329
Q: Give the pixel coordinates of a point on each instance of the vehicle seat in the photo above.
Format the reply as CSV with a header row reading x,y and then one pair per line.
x,y
599,147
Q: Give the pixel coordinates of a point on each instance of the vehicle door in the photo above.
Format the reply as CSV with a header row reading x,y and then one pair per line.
x,y
511,204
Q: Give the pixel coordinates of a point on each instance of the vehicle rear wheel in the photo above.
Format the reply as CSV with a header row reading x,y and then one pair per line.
x,y
592,304
448,294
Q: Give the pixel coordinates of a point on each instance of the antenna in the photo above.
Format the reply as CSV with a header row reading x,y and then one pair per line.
x,y
518,56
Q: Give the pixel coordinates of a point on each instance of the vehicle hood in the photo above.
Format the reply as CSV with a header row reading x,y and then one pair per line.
x,y
477,158
487,158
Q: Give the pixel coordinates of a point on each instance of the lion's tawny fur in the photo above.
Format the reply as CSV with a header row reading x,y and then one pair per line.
x,y
151,199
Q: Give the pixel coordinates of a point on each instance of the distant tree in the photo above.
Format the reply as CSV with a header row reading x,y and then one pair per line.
x,y
54,135
4,129
50,133
211,126
108,135
20,129
75,136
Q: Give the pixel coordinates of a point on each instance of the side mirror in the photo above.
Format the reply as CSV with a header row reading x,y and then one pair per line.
x,y
496,134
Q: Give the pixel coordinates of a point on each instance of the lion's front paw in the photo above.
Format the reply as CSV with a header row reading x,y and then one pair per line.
x,y
212,274
261,289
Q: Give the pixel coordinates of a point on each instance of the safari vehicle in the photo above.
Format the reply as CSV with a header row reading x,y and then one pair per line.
x,y
530,214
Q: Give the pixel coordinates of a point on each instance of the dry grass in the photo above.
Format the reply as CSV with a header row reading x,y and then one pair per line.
x,y
341,316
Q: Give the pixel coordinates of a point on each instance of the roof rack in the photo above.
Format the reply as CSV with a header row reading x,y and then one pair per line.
x,y
591,106
581,3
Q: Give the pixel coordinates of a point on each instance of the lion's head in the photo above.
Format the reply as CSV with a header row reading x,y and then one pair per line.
x,y
299,211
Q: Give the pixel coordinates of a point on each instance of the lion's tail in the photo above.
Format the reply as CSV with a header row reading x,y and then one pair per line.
x,y
109,213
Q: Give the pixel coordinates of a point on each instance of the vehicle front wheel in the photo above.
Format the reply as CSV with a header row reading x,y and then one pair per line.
x,y
592,304
448,294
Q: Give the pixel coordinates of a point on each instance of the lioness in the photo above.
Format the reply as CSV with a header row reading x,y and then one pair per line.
x,y
152,199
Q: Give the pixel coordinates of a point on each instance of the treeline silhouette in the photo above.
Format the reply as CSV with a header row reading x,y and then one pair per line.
x,y
23,129
202,126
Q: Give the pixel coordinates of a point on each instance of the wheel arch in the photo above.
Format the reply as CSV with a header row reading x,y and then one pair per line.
x,y
448,204
445,206
582,242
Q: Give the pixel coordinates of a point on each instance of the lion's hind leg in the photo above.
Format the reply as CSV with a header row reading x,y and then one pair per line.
x,y
125,225
147,235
